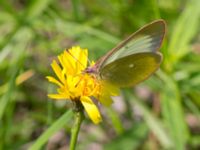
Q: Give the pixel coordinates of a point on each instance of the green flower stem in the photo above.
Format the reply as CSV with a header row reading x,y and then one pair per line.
x,y
79,117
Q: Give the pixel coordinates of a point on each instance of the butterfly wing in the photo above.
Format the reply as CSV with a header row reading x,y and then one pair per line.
x,y
136,58
132,69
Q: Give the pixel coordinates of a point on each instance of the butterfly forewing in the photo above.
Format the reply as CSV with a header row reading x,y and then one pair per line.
x,y
147,39
136,58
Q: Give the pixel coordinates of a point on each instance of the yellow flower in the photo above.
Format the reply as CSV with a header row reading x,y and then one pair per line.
x,y
76,85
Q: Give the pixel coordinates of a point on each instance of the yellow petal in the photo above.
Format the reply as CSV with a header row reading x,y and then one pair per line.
x,y
74,53
57,96
83,59
63,91
80,57
67,62
72,81
91,109
57,70
53,80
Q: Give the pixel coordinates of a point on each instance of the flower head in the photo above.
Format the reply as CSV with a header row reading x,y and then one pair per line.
x,y
76,85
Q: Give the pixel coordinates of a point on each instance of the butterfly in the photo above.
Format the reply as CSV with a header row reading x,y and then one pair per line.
x,y
134,59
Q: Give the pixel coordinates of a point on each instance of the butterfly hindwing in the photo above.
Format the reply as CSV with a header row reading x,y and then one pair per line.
x,y
132,69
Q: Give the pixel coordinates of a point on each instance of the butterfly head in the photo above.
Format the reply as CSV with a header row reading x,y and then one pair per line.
x,y
91,70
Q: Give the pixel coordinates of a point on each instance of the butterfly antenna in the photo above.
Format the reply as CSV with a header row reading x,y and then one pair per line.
x,y
89,62
74,57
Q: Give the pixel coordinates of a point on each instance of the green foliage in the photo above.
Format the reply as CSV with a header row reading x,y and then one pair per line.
x,y
130,139
161,113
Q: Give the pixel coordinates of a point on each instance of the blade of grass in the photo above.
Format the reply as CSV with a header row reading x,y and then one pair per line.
x,y
16,65
173,112
6,97
73,28
184,31
8,7
76,9
130,139
35,8
117,123
153,123
57,125
9,37
155,7
193,108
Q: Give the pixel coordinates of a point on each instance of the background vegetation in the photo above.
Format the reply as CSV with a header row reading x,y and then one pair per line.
x,y
161,113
